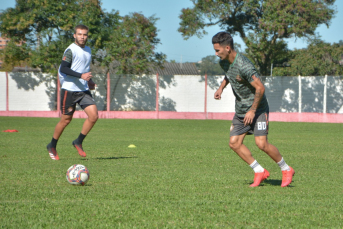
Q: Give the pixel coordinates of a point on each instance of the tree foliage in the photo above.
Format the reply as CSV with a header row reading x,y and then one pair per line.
x,y
15,55
120,44
210,66
262,25
46,27
130,47
319,59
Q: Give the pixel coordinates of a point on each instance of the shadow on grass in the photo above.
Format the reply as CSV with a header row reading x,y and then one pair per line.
x,y
111,158
271,182
276,183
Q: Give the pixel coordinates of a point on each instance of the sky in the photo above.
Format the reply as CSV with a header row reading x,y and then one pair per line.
x,y
194,49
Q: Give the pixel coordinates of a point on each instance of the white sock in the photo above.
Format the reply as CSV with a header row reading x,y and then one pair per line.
x,y
256,167
283,166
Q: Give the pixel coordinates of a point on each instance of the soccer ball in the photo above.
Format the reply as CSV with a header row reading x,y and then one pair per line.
x,y
77,174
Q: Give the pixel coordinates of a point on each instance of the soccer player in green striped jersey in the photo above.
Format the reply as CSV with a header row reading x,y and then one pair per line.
x,y
251,108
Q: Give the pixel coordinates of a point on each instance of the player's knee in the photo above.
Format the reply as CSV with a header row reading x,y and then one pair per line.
x,y
93,118
65,122
234,145
262,145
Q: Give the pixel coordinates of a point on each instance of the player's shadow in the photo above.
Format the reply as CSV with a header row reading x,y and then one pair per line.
x,y
276,182
113,158
272,182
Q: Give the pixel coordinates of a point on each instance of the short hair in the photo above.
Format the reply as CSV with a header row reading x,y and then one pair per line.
x,y
80,27
223,39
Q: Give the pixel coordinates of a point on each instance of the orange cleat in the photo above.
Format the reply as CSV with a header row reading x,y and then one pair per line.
x,y
79,149
52,152
287,177
259,177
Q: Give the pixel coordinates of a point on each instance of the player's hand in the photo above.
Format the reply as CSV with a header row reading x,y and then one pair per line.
x,y
86,76
91,85
249,118
218,94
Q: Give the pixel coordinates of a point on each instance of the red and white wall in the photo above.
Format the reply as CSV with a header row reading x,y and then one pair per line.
x,y
319,99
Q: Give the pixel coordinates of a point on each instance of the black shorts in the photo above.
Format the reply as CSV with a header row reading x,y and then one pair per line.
x,y
69,99
259,126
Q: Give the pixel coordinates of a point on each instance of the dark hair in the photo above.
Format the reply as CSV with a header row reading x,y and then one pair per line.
x,y
80,27
223,39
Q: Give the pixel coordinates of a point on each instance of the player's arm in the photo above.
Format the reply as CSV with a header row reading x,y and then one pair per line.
x,y
218,93
258,85
66,67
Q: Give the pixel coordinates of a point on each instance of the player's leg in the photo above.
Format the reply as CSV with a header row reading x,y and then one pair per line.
x,y
67,110
61,125
59,128
87,103
263,144
92,113
261,130
236,144
238,131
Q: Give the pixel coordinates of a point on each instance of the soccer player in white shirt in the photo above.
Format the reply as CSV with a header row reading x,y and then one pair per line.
x,y
76,83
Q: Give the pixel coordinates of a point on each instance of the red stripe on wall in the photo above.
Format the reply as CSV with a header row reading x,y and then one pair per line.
x,y
157,96
273,116
108,94
7,103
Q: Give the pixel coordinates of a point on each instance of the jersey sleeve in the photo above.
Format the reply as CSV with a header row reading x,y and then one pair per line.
x,y
248,70
68,56
66,65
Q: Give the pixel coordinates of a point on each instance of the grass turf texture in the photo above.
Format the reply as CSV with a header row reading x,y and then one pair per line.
x,y
181,175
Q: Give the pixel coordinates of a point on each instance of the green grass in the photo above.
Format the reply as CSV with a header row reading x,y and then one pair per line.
x,y
181,175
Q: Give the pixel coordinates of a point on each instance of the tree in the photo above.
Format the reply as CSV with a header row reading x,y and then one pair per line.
x,y
262,25
15,55
47,27
130,47
120,44
129,50
209,66
319,59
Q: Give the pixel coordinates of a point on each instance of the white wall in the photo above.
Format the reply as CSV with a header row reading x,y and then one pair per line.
x,y
187,93
227,102
28,92
2,91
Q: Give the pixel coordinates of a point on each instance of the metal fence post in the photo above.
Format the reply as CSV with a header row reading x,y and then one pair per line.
x,y
325,92
108,99
157,96
7,92
300,94
205,96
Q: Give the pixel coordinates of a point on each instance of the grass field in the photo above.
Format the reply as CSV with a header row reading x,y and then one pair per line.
x,y
182,174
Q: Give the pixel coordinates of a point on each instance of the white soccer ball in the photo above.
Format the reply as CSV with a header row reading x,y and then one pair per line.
x,y
77,174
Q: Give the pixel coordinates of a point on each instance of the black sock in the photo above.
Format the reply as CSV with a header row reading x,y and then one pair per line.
x,y
80,138
54,142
